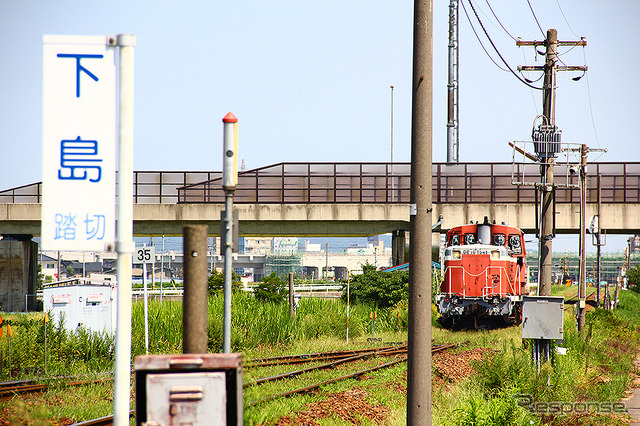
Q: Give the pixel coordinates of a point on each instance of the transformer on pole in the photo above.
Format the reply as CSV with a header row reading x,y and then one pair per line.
x,y
546,139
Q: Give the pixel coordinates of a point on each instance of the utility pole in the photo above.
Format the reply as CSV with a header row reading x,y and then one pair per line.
x,y
629,245
392,87
326,260
194,303
548,141
420,212
597,231
391,165
582,290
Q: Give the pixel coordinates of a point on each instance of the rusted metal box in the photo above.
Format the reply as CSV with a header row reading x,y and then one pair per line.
x,y
542,317
189,389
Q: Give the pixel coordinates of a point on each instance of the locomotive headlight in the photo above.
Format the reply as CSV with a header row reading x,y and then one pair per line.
x,y
495,254
456,254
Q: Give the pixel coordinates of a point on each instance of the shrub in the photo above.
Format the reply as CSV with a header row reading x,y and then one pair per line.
x,y
633,277
379,288
216,282
271,288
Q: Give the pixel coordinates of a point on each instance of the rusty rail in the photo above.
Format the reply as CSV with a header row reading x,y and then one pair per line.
x,y
355,375
385,352
316,356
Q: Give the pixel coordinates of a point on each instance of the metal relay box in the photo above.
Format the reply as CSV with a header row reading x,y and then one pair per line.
x,y
189,389
88,306
542,317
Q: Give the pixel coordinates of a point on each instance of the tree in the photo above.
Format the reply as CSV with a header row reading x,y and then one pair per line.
x,y
271,288
39,278
216,282
383,289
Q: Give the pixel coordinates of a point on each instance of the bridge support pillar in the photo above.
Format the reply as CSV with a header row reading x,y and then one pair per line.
x,y
398,244
18,273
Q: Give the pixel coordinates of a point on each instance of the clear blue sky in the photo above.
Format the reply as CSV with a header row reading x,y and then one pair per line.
x,y
309,80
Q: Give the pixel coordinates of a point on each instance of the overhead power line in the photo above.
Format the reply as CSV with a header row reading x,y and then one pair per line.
x,y
480,41
495,16
565,19
495,48
536,18
593,122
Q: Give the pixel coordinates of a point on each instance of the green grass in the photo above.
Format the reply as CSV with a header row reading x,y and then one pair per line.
x,y
68,404
597,367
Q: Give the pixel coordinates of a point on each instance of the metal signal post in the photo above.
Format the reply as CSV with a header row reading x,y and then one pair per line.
x,y
229,182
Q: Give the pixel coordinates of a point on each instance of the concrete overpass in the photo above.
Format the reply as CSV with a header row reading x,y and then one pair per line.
x,y
355,199
333,220
334,199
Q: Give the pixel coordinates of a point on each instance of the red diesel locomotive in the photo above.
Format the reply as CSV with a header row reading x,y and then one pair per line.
x,y
485,274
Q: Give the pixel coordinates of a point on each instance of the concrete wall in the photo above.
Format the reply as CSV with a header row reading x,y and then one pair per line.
x,y
333,219
18,272
352,262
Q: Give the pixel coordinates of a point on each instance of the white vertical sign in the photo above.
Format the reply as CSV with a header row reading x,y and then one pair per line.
x,y
79,143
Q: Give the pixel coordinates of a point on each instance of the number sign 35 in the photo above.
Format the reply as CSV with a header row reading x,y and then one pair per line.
x,y
144,255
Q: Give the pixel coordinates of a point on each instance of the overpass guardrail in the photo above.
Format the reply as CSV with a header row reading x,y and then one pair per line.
x,y
330,183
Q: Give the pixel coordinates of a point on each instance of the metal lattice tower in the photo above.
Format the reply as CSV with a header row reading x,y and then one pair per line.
x,y
453,139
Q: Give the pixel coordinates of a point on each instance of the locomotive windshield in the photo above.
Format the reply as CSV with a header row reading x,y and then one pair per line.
x,y
454,240
469,239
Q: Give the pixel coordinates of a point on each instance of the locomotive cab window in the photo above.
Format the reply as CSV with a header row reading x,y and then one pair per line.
x,y
499,239
469,239
515,245
454,240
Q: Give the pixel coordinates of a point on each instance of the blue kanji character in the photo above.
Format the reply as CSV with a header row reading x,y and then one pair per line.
x,y
76,154
95,226
80,68
65,226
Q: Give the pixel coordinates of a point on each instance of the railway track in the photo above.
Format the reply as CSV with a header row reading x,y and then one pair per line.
x,y
354,375
8,389
102,421
317,356
390,351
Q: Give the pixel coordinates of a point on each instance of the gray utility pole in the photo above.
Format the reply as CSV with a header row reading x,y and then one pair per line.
x,y
599,243
419,358
582,277
549,146
292,310
453,138
326,260
392,87
194,303
582,290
